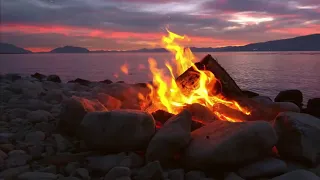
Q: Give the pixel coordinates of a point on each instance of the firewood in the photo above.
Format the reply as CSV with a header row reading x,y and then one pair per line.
x,y
226,86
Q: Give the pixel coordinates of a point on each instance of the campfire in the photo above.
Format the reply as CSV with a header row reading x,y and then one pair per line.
x,y
189,82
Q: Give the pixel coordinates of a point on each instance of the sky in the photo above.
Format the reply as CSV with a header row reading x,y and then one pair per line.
x,y
41,25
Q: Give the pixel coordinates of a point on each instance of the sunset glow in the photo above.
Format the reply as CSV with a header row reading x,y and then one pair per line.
x,y
129,25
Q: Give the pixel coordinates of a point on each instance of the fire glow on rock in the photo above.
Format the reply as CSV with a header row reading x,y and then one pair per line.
x,y
166,94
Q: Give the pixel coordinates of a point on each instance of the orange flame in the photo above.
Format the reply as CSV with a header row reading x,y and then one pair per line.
x,y
168,96
124,68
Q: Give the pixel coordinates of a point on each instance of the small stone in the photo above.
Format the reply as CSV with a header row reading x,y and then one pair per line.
x,y
36,150
39,116
81,173
152,171
297,175
38,76
136,160
17,158
13,172
6,147
313,107
265,168
176,174
54,78
233,176
61,142
49,169
106,163
35,137
71,167
69,178
3,155
5,137
118,172
194,175
37,176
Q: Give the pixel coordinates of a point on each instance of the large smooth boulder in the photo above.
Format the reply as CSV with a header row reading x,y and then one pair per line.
x,y
72,112
227,143
293,95
264,168
299,136
263,100
117,130
297,175
171,139
286,106
151,171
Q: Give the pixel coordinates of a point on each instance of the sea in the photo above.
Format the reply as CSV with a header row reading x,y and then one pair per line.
x,y
266,73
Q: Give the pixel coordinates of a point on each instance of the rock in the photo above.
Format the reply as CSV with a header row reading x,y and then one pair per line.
x,y
286,106
81,173
106,163
36,150
117,130
3,155
39,116
17,158
6,147
263,100
17,113
265,168
35,137
136,160
69,178
6,138
46,127
53,96
71,167
297,175
37,176
61,143
173,137
71,115
233,176
293,95
107,81
73,110
11,173
83,82
29,104
227,143
39,76
313,107
54,78
193,175
49,169
298,136
250,94
108,101
152,171
12,77
27,88
118,172
176,174
5,95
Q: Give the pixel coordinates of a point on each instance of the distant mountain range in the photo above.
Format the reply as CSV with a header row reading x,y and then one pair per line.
x,y
301,43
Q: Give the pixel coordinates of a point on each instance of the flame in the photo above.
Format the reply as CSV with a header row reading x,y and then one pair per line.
x,y
168,96
124,68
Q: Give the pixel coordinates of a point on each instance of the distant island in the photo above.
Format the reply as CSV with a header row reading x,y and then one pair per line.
x,y
301,43
6,48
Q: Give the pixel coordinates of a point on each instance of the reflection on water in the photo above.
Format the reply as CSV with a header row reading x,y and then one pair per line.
x,y
265,73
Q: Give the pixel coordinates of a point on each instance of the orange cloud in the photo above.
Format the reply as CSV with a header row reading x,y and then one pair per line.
x,y
38,49
299,31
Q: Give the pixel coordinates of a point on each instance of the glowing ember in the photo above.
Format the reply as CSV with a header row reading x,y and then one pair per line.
x,y
124,69
166,94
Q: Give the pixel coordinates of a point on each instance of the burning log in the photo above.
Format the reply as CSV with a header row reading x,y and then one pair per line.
x,y
226,86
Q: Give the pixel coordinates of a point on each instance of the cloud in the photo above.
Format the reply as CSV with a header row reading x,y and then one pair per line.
x,y
131,24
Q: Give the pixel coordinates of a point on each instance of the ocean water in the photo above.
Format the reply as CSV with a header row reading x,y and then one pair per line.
x,y
266,73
